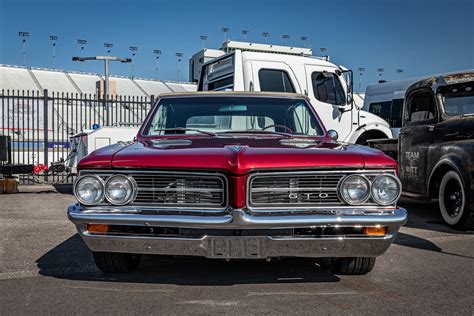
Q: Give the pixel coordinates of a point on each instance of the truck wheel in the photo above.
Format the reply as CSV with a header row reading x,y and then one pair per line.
x,y
354,266
452,202
112,262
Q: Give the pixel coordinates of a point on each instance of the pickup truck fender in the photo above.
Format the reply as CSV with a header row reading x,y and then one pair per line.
x,y
451,161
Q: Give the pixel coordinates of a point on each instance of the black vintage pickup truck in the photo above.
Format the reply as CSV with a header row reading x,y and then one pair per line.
x,y
435,148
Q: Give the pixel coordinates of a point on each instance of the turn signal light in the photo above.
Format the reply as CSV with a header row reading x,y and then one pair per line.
x,y
375,231
97,228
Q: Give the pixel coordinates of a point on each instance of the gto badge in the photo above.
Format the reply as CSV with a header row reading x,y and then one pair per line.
x,y
307,196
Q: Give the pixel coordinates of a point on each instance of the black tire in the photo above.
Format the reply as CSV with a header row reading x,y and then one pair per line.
x,y
452,202
353,266
112,262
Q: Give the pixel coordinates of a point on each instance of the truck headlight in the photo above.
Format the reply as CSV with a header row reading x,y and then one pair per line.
x,y
89,190
120,189
354,189
386,189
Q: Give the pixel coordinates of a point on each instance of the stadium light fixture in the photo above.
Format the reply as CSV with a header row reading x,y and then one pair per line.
x,y
134,50
82,43
106,60
53,39
225,30
203,39
157,52
244,33
303,40
109,47
180,57
323,51
265,35
285,38
380,71
399,72
361,72
24,36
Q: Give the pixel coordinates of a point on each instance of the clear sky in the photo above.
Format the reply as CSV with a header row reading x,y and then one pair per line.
x,y
420,37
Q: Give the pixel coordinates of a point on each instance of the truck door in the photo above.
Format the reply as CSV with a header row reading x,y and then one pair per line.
x,y
415,137
328,96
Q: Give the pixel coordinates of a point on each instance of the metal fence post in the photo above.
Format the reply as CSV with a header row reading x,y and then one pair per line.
x,y
45,130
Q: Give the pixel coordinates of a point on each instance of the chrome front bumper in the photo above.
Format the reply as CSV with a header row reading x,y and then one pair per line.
x,y
246,247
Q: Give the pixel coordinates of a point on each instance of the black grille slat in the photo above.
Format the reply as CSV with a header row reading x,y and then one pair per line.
x,y
295,190
180,190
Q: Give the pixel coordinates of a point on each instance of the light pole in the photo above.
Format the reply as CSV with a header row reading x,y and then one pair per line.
x,y
179,56
361,72
265,36
303,40
399,73
82,43
285,38
133,49
106,60
322,50
203,38
244,33
157,52
380,71
53,39
23,36
225,30
108,46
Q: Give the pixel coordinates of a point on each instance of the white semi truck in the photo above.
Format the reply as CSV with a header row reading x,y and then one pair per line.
x,y
242,66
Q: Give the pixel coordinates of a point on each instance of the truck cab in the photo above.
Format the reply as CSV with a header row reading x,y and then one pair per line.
x,y
261,67
436,145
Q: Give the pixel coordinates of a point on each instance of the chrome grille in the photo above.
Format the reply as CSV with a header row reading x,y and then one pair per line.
x,y
180,190
294,189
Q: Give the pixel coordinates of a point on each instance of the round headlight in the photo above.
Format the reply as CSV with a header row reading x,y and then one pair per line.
x,y
386,189
89,190
120,190
354,189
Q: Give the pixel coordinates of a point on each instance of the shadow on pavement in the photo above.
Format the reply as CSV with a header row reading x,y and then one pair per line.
x,y
426,215
72,260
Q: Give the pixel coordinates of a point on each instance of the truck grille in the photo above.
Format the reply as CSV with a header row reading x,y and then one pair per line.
x,y
181,190
294,189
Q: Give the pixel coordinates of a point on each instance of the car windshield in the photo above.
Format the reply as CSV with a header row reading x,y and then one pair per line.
x,y
458,99
223,114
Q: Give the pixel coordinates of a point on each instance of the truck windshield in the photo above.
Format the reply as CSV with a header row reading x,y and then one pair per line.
x,y
215,114
458,99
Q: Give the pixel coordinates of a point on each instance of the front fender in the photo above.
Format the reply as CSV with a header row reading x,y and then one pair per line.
x,y
457,164
354,136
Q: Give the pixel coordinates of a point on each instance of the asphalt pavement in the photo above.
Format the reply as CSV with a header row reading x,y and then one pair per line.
x,y
45,268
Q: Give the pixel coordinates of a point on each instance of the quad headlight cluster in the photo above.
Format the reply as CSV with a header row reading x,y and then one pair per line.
x,y
117,190
357,189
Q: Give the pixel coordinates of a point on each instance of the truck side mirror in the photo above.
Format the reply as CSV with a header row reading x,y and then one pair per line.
x,y
333,135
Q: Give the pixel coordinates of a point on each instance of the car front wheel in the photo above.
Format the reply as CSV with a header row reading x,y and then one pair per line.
x,y
112,262
452,202
354,266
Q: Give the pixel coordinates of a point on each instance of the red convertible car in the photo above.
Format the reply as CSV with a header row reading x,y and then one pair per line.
x,y
237,175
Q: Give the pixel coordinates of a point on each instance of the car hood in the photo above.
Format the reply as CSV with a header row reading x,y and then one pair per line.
x,y
237,155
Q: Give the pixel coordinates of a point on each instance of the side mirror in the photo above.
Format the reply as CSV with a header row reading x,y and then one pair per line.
x,y
333,135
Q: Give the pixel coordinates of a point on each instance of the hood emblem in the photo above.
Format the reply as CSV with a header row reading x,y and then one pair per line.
x,y
236,148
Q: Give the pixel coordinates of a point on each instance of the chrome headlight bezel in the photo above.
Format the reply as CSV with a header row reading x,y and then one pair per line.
x,y
130,198
342,195
80,199
373,186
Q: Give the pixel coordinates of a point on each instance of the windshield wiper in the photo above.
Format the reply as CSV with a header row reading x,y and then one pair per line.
x,y
257,131
183,129
467,114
